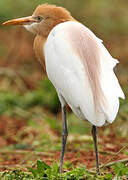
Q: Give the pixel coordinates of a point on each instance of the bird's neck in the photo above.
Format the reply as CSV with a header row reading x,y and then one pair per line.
x,y
41,38
38,45
50,24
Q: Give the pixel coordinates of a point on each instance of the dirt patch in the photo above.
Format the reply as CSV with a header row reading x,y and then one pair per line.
x,y
9,131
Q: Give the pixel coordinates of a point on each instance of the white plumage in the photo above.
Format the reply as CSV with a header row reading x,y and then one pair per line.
x,y
78,65
72,51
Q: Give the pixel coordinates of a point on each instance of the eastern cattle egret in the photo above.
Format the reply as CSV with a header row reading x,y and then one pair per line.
x,y
78,65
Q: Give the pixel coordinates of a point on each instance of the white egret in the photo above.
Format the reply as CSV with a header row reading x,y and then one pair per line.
x,y
78,65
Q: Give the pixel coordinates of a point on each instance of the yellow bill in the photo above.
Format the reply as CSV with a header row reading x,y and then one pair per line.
x,y
20,21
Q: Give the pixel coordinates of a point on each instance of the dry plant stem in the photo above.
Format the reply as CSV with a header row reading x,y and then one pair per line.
x,y
25,152
116,154
13,166
26,158
31,155
114,162
106,153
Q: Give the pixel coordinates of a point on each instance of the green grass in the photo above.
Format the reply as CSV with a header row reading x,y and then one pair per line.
x,y
46,172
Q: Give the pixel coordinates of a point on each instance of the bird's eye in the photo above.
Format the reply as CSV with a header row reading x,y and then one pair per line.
x,y
39,18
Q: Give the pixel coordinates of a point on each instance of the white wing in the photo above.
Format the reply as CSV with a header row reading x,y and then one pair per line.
x,y
81,69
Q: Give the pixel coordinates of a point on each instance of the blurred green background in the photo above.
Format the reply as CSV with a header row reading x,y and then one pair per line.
x,y
29,108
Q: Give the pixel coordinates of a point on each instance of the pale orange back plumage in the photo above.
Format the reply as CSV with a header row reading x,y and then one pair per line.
x,y
87,47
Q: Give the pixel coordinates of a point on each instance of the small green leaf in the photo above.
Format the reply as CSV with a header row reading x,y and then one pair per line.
x,y
41,165
55,168
108,176
33,171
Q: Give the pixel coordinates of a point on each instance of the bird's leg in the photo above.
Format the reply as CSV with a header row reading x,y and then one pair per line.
x,y
94,135
64,136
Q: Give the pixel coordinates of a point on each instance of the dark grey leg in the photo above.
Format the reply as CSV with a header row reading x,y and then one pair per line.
x,y
94,135
64,136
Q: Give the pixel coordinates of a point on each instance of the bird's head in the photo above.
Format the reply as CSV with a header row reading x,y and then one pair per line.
x,y
44,18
